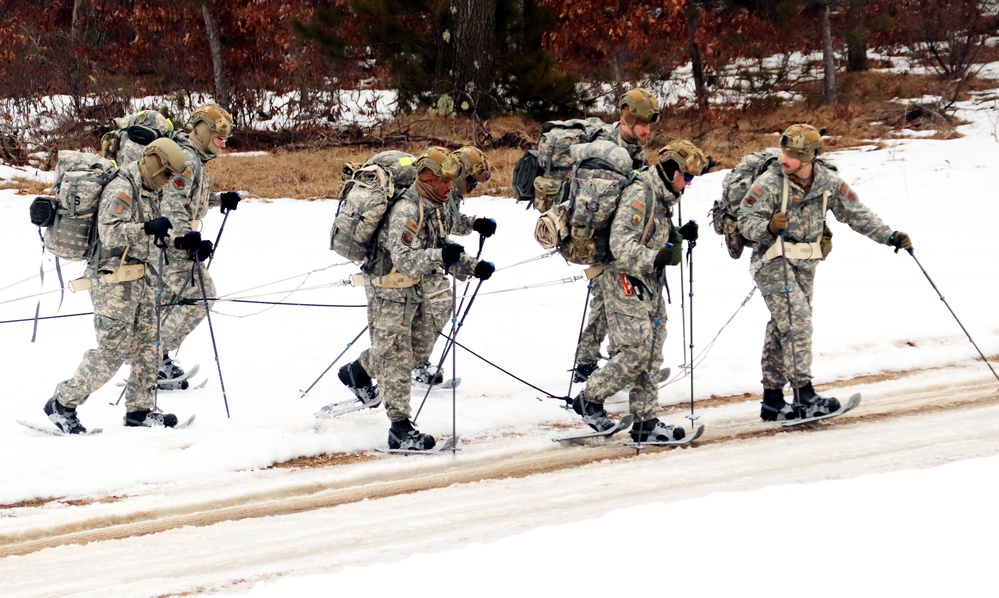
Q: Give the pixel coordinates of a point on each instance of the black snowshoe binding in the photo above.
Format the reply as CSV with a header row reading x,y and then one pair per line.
x,y
653,430
360,383
149,419
64,418
403,436
170,375
430,375
593,413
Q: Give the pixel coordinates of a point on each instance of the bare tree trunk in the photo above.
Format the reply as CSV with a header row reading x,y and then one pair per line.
x,y
828,57
856,37
79,6
222,96
696,61
466,56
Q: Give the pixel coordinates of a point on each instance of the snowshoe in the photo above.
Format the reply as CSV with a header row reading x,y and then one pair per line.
x,y
593,413
403,436
64,418
150,419
428,374
653,430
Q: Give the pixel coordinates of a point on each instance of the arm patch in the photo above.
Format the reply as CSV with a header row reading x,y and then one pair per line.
x,y
411,226
125,198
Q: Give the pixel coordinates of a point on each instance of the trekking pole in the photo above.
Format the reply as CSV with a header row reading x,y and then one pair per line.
x,y
579,338
454,359
335,359
687,365
211,331
690,258
161,243
449,345
790,320
912,253
218,238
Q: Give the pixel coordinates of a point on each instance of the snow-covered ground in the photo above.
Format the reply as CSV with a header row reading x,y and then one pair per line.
x,y
867,505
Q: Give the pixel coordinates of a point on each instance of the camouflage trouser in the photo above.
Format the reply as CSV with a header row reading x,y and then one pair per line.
x,y
637,328
777,361
177,321
404,325
588,350
125,324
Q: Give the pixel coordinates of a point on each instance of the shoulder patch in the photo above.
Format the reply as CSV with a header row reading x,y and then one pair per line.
x,y
411,226
638,206
843,188
636,219
749,201
757,191
851,196
119,209
125,197
178,183
407,237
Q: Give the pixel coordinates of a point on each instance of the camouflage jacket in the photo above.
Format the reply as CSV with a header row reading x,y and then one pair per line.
x,y
638,156
632,255
412,248
124,207
185,198
805,217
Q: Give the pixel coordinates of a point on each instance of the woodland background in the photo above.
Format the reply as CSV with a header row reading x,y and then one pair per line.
x,y
482,72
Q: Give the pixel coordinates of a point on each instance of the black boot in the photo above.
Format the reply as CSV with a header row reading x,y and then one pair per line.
x,y
774,408
813,404
402,435
593,413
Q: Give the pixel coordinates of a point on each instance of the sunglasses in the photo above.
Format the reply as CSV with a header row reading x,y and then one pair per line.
x,y
687,177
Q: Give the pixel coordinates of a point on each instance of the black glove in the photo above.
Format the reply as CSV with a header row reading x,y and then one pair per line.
x,y
484,226
484,269
189,241
900,240
157,227
689,231
204,251
229,200
451,254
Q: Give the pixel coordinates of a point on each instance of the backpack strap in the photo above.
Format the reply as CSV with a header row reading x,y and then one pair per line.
x,y
799,251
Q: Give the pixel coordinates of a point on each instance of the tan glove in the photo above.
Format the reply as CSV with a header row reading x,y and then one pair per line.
x,y
778,223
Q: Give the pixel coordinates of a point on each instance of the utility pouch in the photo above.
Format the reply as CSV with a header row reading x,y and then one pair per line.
x,y
125,273
546,193
81,284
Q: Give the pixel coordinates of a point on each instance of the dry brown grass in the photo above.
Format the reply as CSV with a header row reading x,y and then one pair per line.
x,y
872,104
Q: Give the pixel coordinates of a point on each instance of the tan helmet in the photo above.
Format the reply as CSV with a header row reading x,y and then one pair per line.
x,y
218,118
439,161
802,142
688,157
160,160
641,104
474,163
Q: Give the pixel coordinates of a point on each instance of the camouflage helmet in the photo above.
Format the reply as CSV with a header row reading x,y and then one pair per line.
x,y
802,142
398,164
171,156
473,164
439,161
688,157
160,160
641,104
218,118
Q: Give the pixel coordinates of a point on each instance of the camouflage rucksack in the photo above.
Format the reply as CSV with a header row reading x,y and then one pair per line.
x,y
735,185
68,216
131,134
539,174
578,225
367,193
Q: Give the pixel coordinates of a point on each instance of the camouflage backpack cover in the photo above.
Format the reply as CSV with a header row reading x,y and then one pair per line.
x,y
725,211
539,174
367,193
131,134
578,225
68,215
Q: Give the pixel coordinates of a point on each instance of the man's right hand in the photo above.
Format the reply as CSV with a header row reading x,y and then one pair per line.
x,y
451,254
778,223
157,227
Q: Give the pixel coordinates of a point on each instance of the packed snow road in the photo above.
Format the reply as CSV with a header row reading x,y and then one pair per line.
x,y
228,531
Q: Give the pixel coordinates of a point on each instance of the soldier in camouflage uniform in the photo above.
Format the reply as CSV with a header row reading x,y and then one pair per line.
x,y
473,170
128,221
791,203
185,201
639,110
632,286
409,296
